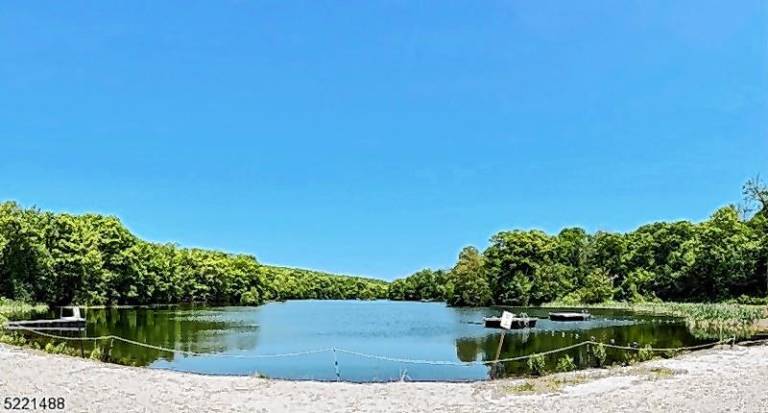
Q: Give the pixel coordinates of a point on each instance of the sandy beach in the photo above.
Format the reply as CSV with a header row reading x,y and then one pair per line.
x,y
723,379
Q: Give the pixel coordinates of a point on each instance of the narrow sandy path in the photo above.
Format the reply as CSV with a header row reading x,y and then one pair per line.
x,y
726,379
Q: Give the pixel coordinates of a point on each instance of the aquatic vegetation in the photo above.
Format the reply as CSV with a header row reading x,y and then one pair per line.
x,y
704,320
745,299
565,364
60,348
537,365
597,351
12,339
96,354
630,358
645,353
15,310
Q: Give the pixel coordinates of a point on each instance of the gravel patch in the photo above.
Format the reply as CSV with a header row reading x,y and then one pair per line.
x,y
718,380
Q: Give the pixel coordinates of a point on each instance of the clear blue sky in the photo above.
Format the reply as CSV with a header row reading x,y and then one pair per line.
x,y
380,137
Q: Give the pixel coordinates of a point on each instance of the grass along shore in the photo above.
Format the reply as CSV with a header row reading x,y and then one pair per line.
x,y
16,310
705,320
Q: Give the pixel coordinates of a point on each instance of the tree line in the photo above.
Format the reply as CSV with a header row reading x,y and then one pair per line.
x,y
94,259
724,257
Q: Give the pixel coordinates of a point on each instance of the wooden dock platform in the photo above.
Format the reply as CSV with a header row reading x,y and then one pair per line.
x,y
517,322
570,316
61,324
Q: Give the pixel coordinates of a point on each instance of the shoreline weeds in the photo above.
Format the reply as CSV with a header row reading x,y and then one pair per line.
x,y
709,380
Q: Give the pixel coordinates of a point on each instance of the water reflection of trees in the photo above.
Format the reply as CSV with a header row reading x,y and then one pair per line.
x,y
517,343
199,331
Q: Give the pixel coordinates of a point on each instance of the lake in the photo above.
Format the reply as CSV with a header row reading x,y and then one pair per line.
x,y
405,330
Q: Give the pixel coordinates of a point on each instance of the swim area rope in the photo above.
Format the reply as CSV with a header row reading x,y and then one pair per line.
x,y
335,350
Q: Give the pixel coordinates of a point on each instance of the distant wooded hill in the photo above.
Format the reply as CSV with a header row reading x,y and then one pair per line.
x,y
93,259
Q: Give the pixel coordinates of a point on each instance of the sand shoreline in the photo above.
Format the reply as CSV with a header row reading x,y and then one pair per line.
x,y
705,381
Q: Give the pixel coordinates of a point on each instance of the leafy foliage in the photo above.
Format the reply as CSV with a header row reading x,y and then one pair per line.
x,y
537,365
645,353
471,287
16,310
597,351
719,259
93,259
424,285
565,364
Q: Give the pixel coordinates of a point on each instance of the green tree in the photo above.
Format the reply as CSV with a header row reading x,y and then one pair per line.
x,y
726,258
94,259
515,260
470,284
596,287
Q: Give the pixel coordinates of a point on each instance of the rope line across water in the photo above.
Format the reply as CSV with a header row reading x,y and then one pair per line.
x,y
460,363
376,356
175,351
244,356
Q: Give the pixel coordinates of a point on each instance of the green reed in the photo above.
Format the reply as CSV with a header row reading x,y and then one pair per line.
x,y
16,310
704,320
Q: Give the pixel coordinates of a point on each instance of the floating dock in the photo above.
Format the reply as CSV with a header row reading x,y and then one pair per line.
x,y
570,316
64,323
517,322
61,324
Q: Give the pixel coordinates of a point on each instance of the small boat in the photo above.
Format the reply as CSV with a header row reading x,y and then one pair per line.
x,y
517,322
570,316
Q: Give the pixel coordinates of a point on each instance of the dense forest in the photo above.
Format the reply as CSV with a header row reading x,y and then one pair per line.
x,y
722,258
94,259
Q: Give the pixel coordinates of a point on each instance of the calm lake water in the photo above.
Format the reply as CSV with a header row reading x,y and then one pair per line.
x,y
408,330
